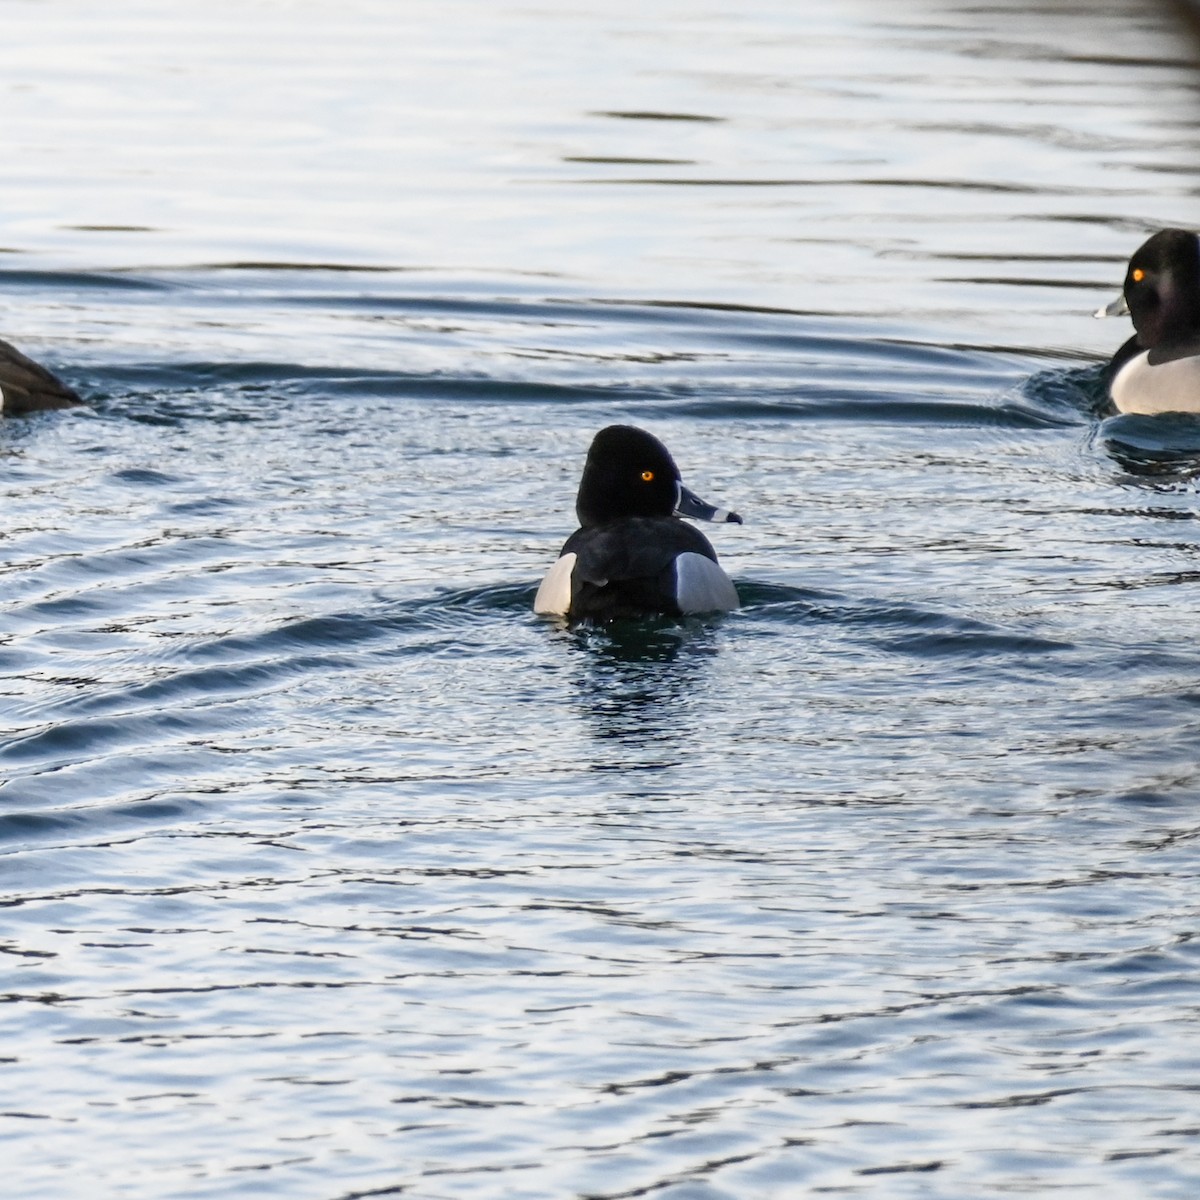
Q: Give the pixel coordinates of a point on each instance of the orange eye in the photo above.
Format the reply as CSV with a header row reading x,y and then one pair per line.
x,y
1137,275
647,476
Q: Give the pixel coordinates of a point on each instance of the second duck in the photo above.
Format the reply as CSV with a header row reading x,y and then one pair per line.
x,y
1158,369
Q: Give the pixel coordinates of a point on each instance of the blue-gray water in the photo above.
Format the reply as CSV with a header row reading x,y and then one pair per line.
x,y
328,870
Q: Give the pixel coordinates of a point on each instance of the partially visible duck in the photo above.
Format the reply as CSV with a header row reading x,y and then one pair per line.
x,y
26,387
632,555
1158,369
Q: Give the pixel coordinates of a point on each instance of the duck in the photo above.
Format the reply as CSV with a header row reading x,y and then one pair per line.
x,y
632,555
1158,369
27,387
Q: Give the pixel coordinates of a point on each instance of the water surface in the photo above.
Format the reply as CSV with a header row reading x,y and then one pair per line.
x,y
331,871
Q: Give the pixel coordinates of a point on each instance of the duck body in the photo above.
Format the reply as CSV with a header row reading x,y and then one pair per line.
x,y
1158,369
27,387
1142,382
636,567
632,556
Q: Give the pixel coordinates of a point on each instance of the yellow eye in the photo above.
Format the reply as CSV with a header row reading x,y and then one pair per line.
x,y
647,476
1138,275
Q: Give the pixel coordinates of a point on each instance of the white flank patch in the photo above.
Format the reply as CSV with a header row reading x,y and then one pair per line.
x,y
1169,387
701,586
554,596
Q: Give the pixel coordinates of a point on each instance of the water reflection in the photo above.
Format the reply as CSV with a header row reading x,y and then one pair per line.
x,y
1166,445
636,681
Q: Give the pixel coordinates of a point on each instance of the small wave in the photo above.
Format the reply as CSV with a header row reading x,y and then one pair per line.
x,y
618,160
639,114
852,406
970,643
907,629
114,228
71,741
912,629
229,682
1066,394
51,281
306,633
500,598
268,651
25,825
143,477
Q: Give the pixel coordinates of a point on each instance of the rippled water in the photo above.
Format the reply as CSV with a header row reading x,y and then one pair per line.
x,y
329,871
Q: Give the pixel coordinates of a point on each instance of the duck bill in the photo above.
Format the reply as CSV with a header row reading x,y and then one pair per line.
x,y
690,505
1118,308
